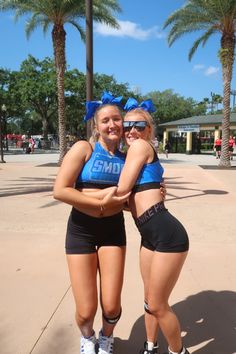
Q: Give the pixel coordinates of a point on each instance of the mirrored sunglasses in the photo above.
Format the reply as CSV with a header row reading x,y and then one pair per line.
x,y
139,126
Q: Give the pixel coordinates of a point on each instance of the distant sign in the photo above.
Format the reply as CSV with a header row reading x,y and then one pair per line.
x,y
194,128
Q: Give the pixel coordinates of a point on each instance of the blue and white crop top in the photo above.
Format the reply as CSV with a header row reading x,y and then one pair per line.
x,y
150,176
101,170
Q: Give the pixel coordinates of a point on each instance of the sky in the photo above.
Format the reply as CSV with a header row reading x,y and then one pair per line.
x,y
137,53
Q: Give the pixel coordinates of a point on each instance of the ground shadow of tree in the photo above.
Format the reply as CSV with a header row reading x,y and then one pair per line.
x,y
172,184
208,320
27,185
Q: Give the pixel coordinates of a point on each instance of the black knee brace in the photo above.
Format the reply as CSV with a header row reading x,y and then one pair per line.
x,y
113,320
146,307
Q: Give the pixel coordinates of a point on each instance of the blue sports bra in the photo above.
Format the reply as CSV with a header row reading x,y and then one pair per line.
x,y
101,170
150,176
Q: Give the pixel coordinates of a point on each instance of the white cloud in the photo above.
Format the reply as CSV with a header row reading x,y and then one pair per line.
x,y
198,67
211,71
128,29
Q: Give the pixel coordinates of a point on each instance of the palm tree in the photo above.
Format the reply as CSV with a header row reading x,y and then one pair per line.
x,y
57,13
210,17
217,99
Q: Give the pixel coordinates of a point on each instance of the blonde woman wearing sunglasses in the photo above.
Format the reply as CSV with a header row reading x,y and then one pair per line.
x,y
164,241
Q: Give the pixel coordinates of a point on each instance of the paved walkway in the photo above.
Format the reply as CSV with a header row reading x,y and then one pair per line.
x,y
36,304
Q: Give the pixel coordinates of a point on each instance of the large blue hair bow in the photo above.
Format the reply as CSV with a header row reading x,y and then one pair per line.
x,y
106,98
132,103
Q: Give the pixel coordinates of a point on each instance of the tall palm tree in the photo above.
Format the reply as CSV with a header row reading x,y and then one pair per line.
x,y
217,99
210,17
57,13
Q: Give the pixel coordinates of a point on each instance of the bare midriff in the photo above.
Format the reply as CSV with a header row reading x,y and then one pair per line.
x,y
141,201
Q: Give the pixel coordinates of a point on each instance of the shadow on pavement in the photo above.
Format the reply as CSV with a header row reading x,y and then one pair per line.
x,y
27,185
178,186
209,167
208,321
50,164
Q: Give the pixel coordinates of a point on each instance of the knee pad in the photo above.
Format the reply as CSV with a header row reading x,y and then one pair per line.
x,y
113,320
146,309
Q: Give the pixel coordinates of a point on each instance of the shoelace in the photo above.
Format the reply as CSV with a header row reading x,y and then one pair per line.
x,y
106,343
87,346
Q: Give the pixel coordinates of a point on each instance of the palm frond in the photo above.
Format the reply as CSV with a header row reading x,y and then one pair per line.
x,y
208,16
79,28
109,4
184,27
202,40
46,25
102,15
62,11
35,22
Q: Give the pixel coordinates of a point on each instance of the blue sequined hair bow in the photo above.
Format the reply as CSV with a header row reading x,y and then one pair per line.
x,y
146,105
107,98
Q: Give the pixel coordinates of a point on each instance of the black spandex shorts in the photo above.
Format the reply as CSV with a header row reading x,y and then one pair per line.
x,y
85,234
161,231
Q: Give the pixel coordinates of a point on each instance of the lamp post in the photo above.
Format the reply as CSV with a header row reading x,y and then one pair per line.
x,y
89,57
212,101
4,111
1,130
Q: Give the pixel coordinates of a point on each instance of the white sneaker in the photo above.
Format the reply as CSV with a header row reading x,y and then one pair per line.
x,y
87,345
105,344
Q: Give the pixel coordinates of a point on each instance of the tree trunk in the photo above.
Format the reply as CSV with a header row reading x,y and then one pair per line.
x,y
227,61
45,128
59,38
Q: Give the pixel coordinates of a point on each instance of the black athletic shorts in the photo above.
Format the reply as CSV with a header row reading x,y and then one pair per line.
x,y
161,231
85,234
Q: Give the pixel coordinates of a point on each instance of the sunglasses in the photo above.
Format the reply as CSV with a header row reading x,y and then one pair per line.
x,y
138,125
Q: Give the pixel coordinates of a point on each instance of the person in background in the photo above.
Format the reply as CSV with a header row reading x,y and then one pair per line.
x,y
217,146
167,148
96,238
164,240
231,147
24,142
32,144
155,143
198,144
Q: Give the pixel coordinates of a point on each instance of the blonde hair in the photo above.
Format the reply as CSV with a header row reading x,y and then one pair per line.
x,y
147,117
95,133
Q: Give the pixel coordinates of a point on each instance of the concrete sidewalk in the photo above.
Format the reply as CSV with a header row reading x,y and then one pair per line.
x,y
36,304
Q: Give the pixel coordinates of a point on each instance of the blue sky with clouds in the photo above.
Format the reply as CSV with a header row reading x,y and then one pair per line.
x,y
137,53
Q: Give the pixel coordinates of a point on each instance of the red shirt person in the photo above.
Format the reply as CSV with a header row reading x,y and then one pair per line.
x,y
231,147
218,143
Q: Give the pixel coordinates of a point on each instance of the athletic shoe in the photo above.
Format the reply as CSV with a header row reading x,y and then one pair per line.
x,y
87,345
105,344
155,349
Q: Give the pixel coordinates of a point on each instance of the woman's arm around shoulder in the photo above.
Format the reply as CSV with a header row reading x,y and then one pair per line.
x,y
138,155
